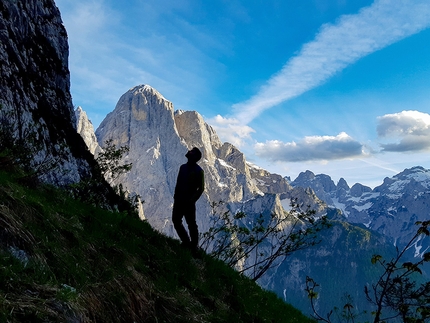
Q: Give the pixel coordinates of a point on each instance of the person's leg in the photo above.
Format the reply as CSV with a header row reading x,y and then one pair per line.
x,y
177,215
190,217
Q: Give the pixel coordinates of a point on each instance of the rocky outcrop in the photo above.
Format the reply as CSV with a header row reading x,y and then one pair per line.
x,y
143,120
266,181
321,184
35,102
86,129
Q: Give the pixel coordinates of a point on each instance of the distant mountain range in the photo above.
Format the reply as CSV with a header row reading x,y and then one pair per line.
x,y
365,221
391,209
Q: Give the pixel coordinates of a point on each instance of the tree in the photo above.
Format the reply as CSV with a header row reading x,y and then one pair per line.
x,y
397,294
93,191
109,161
254,245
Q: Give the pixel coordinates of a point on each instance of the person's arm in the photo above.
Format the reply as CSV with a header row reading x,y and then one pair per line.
x,y
201,186
178,183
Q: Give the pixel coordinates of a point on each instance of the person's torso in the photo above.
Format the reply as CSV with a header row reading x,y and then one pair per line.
x,y
189,180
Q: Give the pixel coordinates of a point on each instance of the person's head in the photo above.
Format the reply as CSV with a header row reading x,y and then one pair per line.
x,y
194,155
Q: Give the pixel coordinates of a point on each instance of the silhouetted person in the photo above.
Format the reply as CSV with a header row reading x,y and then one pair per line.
x,y
189,187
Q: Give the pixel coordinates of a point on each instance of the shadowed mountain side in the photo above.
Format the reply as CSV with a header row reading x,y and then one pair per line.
x,y
341,264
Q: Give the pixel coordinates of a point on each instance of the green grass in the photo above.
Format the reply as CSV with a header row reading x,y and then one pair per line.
x,y
85,263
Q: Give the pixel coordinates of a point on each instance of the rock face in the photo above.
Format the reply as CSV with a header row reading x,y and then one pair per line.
x,y
35,102
159,138
143,120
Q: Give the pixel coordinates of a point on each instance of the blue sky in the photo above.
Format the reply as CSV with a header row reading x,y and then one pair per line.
x,y
333,86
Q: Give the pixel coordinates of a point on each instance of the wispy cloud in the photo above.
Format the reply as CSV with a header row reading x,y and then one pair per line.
x,y
107,56
311,148
90,26
410,128
335,47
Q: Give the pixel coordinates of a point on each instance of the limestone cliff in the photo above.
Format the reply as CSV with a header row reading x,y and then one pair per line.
x,y
35,102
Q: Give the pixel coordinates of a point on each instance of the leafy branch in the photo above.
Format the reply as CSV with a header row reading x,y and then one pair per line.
x,y
109,161
255,245
396,288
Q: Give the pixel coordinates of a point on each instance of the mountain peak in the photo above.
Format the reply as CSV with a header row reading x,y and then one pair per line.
x,y
158,138
146,89
305,176
413,172
343,184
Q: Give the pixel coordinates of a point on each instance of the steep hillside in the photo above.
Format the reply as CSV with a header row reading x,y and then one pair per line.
x,y
65,261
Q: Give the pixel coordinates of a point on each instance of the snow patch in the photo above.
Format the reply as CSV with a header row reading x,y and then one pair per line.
x,y
340,206
258,181
364,207
224,163
394,196
368,196
418,252
251,165
354,199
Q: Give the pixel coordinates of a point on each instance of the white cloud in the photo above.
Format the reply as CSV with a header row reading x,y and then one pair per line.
x,y
231,130
337,46
410,128
311,148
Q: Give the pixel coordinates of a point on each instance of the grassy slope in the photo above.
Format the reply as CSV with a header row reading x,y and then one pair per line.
x,y
82,263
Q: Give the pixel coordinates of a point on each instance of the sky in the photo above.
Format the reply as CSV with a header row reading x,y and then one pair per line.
x,y
336,87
